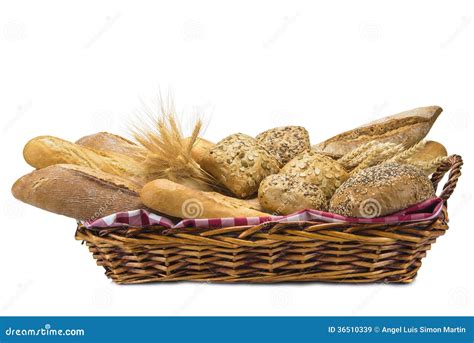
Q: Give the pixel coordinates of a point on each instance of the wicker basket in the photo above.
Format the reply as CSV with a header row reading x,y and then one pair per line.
x,y
273,252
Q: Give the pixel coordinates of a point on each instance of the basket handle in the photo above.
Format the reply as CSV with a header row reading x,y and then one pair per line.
x,y
453,164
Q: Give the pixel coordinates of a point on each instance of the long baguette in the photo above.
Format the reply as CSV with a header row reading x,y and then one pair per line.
x,y
44,151
77,192
180,201
407,128
108,142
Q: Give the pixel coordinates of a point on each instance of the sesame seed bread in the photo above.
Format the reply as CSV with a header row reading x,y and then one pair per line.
x,y
317,169
285,143
407,128
381,190
179,201
240,163
77,192
285,194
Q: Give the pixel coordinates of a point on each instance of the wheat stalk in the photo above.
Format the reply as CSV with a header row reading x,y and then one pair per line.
x,y
350,160
407,154
428,167
379,154
168,152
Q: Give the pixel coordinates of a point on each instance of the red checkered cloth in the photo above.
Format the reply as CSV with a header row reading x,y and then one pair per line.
x,y
426,210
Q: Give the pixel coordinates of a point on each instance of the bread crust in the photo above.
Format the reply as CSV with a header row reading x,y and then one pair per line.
x,y
176,200
284,194
381,190
77,192
240,163
44,151
407,128
285,143
108,142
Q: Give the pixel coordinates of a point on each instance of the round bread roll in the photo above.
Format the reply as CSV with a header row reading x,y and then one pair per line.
x,y
285,143
317,169
284,194
240,163
381,190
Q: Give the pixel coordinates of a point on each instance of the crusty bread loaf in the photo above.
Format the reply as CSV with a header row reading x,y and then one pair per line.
x,y
77,192
108,142
285,143
44,151
183,202
200,150
381,190
407,128
428,157
284,194
240,163
317,169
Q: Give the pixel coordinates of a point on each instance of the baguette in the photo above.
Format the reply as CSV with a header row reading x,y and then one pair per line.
x,y
108,142
44,151
77,192
407,128
180,201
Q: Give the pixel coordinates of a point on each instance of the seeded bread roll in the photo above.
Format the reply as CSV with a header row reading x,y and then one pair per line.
x,y
284,194
180,201
285,143
317,169
77,192
240,163
407,128
381,190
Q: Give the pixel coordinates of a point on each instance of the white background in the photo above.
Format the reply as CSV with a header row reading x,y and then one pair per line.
x,y
74,69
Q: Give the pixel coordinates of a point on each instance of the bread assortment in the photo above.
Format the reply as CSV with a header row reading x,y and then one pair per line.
x,y
374,170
